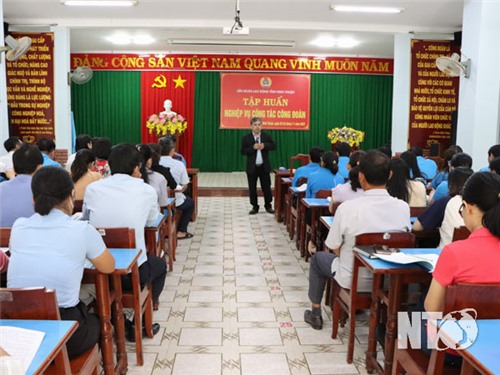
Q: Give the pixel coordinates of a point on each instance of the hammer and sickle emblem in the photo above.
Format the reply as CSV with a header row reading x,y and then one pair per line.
x,y
160,82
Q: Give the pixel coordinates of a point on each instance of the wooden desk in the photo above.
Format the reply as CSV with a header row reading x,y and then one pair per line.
x,y
57,334
193,177
281,181
170,230
315,206
125,261
482,356
400,275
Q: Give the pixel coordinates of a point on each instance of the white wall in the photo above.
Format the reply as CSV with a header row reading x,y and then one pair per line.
x,y
479,97
401,92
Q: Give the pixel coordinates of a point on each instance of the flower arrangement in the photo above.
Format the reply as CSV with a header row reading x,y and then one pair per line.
x,y
164,124
345,134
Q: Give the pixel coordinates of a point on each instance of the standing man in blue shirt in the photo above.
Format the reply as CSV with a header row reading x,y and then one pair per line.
x,y
344,151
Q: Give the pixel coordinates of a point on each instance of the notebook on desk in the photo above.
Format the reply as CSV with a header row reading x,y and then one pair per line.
x,y
395,255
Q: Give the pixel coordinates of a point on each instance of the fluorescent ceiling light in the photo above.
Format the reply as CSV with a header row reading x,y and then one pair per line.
x,y
123,40
365,9
329,42
100,3
222,42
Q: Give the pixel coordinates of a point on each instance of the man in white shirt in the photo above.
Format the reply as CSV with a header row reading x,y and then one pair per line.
x,y
11,144
179,172
374,212
125,200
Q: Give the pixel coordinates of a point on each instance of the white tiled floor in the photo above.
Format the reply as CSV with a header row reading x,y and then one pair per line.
x,y
234,304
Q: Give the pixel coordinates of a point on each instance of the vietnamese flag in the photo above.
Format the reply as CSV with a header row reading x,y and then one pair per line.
x,y
158,86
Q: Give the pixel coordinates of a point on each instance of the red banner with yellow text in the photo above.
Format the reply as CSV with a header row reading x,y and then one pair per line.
x,y
156,87
280,100
203,62
30,89
433,95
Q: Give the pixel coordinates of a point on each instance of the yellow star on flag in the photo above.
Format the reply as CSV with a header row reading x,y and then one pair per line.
x,y
179,82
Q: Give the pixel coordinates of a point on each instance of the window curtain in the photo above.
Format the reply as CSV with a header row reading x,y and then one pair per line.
x,y
359,101
109,105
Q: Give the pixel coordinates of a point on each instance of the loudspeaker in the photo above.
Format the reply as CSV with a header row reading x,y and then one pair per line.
x,y
5,29
457,38
434,149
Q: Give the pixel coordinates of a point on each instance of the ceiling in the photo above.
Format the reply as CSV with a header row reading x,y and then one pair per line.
x,y
290,20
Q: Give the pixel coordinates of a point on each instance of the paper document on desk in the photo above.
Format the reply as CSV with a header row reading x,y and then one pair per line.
x,y
425,260
21,343
302,187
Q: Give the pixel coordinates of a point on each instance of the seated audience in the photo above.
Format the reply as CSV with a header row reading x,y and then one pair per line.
x,y
102,148
428,167
344,151
313,166
125,200
452,218
493,152
82,142
16,198
82,172
400,186
474,260
156,180
11,144
495,165
411,161
386,149
48,149
460,159
155,166
326,177
376,211
352,188
49,250
443,175
176,155
433,216
182,202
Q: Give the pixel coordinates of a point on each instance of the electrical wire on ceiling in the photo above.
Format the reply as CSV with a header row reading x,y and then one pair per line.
x,y
238,25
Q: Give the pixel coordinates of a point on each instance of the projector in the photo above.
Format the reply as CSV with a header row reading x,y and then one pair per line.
x,y
236,31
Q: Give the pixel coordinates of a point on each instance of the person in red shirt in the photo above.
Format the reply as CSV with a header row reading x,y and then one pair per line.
x,y
474,260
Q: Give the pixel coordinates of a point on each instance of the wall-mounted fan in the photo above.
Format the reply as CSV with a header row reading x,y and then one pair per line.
x,y
15,49
80,75
452,67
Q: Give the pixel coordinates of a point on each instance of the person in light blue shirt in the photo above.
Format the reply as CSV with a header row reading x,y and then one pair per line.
x,y
49,250
460,159
326,177
428,167
48,149
443,175
16,199
313,166
493,152
344,150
